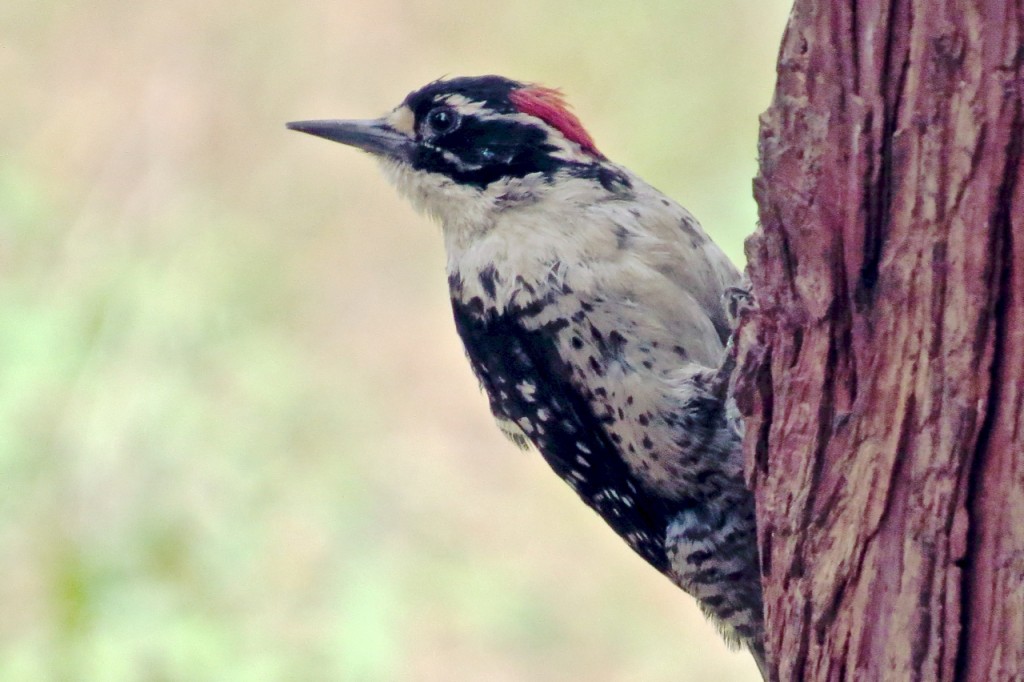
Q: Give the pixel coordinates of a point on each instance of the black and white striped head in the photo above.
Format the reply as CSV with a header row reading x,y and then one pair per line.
x,y
455,138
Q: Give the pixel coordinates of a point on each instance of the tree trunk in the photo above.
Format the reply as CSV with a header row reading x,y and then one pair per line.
x,y
882,378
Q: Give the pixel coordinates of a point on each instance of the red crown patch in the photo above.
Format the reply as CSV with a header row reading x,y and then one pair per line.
x,y
549,105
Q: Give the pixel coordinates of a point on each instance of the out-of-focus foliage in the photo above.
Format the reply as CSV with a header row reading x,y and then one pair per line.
x,y
238,439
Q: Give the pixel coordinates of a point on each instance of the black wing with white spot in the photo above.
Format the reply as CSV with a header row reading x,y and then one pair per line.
x,y
528,384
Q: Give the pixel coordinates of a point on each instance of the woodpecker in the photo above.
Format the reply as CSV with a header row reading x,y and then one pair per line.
x,y
592,309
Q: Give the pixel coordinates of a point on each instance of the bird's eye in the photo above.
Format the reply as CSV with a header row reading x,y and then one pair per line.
x,y
442,120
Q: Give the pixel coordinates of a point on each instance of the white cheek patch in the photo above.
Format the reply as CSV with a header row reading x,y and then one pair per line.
x,y
457,161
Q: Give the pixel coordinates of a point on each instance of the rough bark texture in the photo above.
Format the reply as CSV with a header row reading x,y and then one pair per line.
x,y
883,377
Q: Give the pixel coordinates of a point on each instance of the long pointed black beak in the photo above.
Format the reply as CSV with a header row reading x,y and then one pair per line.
x,y
375,136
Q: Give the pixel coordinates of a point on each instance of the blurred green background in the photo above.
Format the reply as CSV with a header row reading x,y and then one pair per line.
x,y
238,437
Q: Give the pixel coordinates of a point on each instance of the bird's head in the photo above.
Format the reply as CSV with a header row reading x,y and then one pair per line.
x,y
468,146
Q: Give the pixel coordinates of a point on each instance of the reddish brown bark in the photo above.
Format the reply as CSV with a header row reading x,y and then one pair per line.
x,y
883,377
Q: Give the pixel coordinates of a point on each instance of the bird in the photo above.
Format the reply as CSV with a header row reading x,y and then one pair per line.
x,y
594,313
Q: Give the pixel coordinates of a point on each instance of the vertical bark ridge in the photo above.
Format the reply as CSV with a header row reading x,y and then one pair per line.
x,y
882,380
